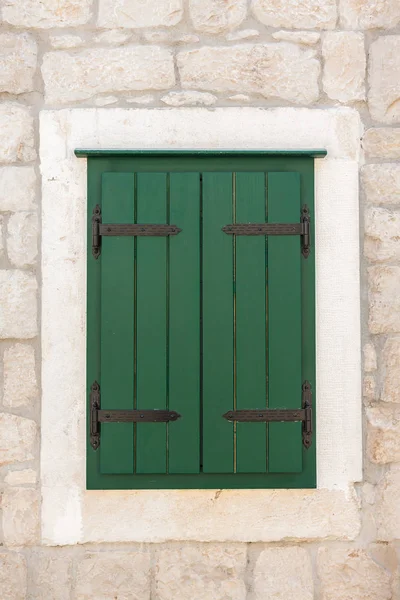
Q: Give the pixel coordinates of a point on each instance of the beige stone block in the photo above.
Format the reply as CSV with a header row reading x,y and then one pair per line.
x,y
17,439
344,66
17,188
200,572
369,14
369,388
382,234
240,98
22,238
66,41
370,361
105,100
387,506
382,142
244,34
73,77
302,14
391,370
16,126
106,575
381,183
278,70
384,299
20,385
22,477
169,36
139,13
384,78
46,13
13,576
351,574
189,99
21,523
383,433
308,38
18,317
51,575
217,16
283,573
18,57
114,37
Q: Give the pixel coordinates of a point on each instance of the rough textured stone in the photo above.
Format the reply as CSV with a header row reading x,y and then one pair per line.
x,y
283,573
382,235
391,370
274,70
351,574
17,188
189,99
13,576
201,572
308,38
51,575
169,36
382,183
139,13
70,77
369,14
106,575
18,317
344,66
217,16
20,385
22,238
384,79
301,14
384,299
46,13
115,37
17,439
21,523
387,506
370,363
22,477
244,34
240,98
383,433
18,56
105,100
369,388
16,126
383,142
66,41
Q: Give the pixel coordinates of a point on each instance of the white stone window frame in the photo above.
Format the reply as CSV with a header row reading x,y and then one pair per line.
x,y
70,513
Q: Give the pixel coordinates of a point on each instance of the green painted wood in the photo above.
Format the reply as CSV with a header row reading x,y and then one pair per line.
x,y
85,152
251,334
117,311
184,324
151,326
284,323
218,393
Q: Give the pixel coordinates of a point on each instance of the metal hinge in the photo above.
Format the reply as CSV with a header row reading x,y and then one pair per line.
x,y
98,416
124,229
268,415
302,228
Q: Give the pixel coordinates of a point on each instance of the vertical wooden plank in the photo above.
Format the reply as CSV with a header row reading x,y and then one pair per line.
x,y
284,323
218,394
151,328
184,324
117,317
251,335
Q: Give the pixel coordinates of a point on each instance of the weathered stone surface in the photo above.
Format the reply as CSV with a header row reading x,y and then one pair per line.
x,y
146,99
382,183
384,78
13,576
370,363
201,572
136,13
22,238
18,57
170,36
20,385
105,100
217,16
51,575
71,77
240,98
382,142
274,70
17,439
22,477
17,188
387,507
384,299
106,575
21,523
46,13
391,370
16,126
351,574
66,41
383,433
115,37
382,234
344,65
308,38
18,317
189,99
369,14
369,388
244,34
304,14
283,573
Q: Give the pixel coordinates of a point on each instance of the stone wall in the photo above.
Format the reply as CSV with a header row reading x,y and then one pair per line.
x,y
210,53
